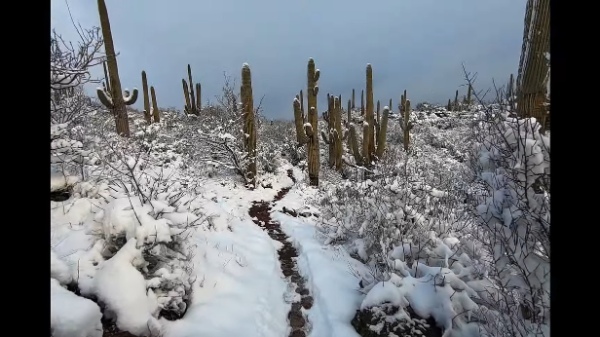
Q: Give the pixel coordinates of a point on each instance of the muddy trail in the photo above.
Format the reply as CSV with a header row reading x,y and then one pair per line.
x,y
287,256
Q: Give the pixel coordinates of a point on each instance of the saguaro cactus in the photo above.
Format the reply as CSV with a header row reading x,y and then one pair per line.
x,y
193,103
510,93
469,92
369,114
449,106
147,115
249,128
313,75
381,126
353,106
405,124
335,136
455,101
300,121
111,95
155,111
362,102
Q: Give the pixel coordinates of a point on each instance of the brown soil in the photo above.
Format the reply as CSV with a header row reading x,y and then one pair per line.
x,y
287,256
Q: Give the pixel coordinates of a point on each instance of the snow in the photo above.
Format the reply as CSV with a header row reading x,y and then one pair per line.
x,y
241,279
103,237
71,315
122,288
332,275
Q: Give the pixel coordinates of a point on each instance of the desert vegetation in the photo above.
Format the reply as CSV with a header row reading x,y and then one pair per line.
x,y
429,220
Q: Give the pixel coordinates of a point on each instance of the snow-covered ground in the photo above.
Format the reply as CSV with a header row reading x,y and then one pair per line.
x,y
152,229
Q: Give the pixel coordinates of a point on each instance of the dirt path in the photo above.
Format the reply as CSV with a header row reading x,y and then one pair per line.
x,y
287,257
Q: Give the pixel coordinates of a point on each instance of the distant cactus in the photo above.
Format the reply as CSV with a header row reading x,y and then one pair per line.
x,y
193,99
147,115
111,95
353,106
362,102
300,121
372,148
405,123
456,101
249,129
335,137
469,93
349,112
313,75
449,106
155,111
510,93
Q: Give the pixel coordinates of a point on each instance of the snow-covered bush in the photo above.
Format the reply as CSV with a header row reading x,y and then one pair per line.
x,y
512,161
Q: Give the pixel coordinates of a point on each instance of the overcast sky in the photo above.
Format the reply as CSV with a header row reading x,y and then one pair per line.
x,y
417,45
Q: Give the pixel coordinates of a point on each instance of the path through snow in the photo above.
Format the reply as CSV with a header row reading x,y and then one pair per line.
x,y
260,213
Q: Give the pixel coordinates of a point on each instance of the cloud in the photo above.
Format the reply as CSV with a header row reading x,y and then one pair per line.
x,y
414,45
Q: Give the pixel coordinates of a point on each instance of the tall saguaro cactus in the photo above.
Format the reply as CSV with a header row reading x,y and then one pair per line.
x,y
155,111
335,136
369,114
455,101
193,99
147,115
510,92
112,98
249,128
405,124
532,78
381,126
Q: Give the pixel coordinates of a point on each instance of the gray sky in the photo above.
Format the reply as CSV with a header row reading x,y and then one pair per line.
x,y
417,45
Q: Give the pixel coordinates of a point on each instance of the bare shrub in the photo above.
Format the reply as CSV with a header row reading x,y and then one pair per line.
x,y
511,160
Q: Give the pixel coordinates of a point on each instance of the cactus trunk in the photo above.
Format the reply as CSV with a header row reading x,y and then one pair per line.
x,y
114,97
249,128
313,148
369,116
147,116
353,105
199,97
155,111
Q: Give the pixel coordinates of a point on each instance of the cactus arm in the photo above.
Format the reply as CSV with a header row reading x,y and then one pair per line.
x,y
299,121
186,94
199,97
104,98
130,98
381,134
352,139
155,112
192,94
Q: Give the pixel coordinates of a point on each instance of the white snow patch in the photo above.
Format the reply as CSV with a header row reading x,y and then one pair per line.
x,y
71,315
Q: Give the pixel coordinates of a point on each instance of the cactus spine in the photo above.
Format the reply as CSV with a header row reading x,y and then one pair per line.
x,y
112,98
249,128
192,103
405,124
